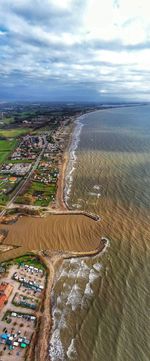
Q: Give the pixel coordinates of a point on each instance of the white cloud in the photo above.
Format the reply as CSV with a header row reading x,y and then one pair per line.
x,y
102,43
62,4
103,91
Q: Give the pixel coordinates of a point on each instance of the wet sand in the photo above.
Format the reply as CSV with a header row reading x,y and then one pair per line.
x,y
60,202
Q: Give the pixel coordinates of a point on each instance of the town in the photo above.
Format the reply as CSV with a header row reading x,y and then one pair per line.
x,y
32,142
34,167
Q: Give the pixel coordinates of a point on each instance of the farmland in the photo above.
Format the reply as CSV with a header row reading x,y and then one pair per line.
x,y
12,133
7,185
6,147
38,194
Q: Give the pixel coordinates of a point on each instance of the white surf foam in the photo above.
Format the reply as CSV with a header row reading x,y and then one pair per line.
x,y
97,187
71,352
97,266
56,350
93,276
72,158
58,300
88,289
74,297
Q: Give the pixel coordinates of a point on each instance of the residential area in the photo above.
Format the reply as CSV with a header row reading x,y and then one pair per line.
x,y
22,284
32,140
36,158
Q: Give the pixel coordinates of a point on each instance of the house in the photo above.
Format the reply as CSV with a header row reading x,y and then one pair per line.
x,y
5,291
3,299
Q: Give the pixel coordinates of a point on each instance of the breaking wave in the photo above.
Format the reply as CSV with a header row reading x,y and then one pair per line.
x,y
72,291
72,158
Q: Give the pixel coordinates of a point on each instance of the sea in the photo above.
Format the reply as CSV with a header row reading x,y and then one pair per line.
x,y
100,304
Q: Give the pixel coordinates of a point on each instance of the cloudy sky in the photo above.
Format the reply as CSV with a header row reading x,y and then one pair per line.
x,y
74,50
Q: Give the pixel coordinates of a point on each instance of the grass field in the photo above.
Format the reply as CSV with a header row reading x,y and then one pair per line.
x,y
8,120
6,183
38,194
30,261
27,114
16,161
3,199
6,147
12,133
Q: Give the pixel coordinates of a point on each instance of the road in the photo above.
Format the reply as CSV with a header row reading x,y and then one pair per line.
x,y
26,179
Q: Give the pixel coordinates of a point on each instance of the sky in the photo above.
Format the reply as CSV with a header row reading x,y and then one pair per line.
x,y
75,50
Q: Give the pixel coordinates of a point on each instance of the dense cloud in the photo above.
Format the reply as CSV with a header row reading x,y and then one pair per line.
x,y
74,49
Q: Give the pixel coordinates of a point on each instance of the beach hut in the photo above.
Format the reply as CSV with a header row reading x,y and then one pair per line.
x,y
23,345
15,343
4,336
8,342
27,342
20,339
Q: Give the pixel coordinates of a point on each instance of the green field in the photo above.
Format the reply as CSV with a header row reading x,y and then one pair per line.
x,y
38,194
3,199
27,114
12,133
6,147
6,184
8,120
30,261
16,161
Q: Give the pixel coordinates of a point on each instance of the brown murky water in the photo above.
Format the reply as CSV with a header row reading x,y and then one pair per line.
x,y
54,232
100,305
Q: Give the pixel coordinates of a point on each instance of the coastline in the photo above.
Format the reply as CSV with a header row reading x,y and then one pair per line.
x,y
52,259
60,200
74,141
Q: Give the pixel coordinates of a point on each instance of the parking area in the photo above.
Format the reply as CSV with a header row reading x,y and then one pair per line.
x,y
18,316
24,300
15,335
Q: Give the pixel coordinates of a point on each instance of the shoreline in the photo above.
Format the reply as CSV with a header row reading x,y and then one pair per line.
x,y
60,199
52,259
74,141
56,257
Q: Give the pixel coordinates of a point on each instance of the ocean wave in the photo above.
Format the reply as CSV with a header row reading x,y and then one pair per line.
x,y
72,158
95,194
97,266
71,352
56,350
76,293
58,300
93,276
74,297
97,187
77,206
88,289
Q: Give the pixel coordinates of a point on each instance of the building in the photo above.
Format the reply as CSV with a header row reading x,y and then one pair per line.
x,y
5,291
